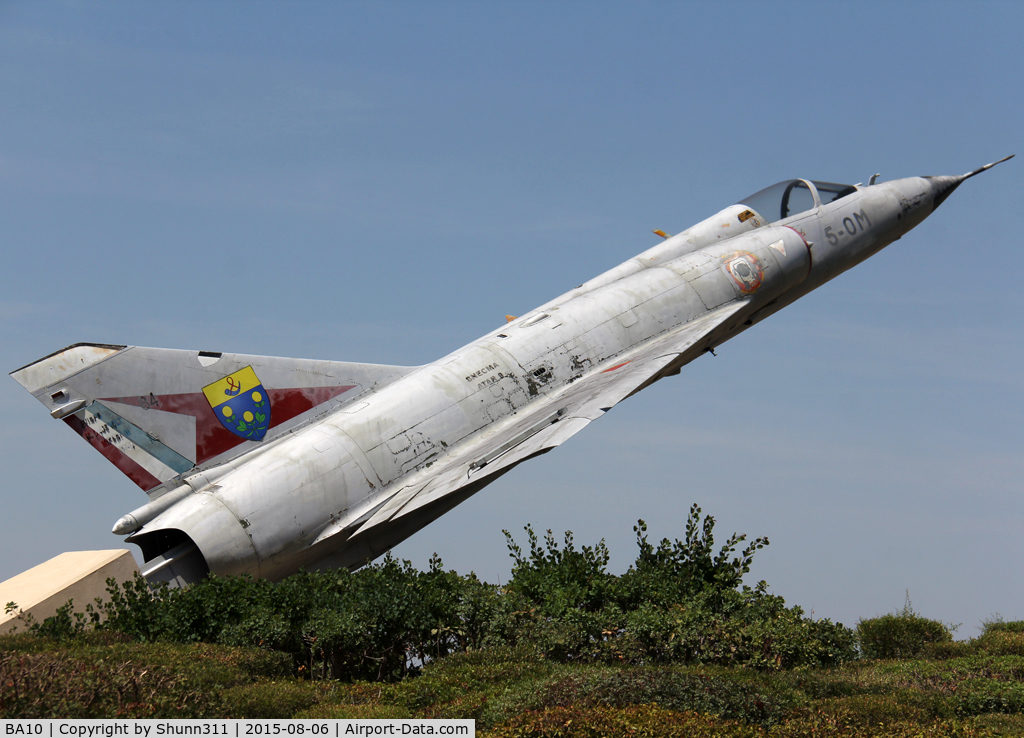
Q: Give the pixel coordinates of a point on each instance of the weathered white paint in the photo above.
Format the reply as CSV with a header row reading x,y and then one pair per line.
x,y
352,477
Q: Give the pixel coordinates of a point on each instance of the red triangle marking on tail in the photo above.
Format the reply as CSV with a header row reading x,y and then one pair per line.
x,y
212,438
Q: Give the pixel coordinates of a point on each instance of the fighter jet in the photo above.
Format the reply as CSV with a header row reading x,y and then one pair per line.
x,y
263,466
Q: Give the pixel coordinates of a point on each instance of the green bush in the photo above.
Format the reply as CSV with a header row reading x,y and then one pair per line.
x,y
1002,643
675,570
377,623
726,695
332,711
975,697
900,635
561,579
680,602
998,625
1002,638
266,700
91,678
749,627
946,650
638,721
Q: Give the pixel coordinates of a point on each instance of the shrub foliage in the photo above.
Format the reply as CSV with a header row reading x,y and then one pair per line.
x,y
676,646
902,634
681,602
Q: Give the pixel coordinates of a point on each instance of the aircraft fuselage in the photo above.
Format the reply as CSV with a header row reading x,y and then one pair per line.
x,y
361,475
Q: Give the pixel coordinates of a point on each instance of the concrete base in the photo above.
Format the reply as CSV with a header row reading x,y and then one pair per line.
x,y
77,575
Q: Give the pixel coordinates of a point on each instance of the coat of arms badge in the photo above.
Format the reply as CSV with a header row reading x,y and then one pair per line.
x,y
241,404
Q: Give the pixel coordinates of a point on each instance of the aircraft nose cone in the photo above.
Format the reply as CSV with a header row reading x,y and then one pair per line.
x,y
943,187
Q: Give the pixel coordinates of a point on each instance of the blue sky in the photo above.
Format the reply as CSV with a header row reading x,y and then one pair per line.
x,y
383,182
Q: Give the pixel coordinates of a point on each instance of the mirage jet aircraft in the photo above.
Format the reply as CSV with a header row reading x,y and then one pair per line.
x,y
263,466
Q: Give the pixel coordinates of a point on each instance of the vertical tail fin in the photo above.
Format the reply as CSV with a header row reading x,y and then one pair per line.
x,y
158,413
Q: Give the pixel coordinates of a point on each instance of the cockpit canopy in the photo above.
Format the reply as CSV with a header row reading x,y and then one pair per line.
x,y
794,196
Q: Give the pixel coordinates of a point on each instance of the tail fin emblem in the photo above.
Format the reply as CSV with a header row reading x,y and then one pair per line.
x,y
241,404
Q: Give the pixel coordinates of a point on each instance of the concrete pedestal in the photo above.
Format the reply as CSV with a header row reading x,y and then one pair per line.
x,y
76,575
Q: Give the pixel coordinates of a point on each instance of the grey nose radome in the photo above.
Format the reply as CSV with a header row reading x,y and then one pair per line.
x,y
943,186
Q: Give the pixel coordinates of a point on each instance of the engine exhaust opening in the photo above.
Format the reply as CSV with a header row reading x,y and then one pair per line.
x,y
171,557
